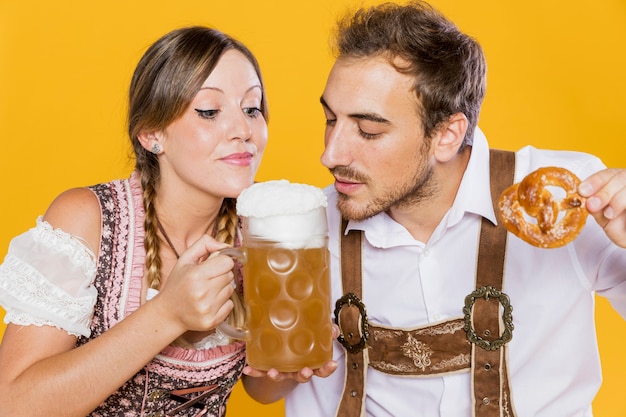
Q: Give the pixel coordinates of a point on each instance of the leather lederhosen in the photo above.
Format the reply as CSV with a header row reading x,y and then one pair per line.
x,y
475,342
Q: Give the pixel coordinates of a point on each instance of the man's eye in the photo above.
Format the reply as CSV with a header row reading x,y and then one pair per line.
x,y
366,135
207,114
330,122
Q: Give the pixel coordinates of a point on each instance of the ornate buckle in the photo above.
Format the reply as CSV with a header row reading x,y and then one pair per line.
x,y
487,292
351,299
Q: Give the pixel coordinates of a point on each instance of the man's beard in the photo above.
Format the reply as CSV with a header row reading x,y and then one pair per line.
x,y
421,187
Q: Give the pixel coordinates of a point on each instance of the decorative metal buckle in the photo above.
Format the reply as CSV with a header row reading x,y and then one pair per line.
x,y
351,299
487,292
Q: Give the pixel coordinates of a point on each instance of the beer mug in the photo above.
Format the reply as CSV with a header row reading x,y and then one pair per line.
x,y
286,281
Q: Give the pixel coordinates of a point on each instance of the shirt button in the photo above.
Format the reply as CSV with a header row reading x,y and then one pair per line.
x,y
486,401
353,393
436,317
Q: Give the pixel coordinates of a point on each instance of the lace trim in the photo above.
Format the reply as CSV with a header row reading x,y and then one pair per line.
x,y
199,357
24,319
135,269
75,248
207,365
30,298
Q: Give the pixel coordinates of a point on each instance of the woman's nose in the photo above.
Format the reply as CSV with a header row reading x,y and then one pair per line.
x,y
240,129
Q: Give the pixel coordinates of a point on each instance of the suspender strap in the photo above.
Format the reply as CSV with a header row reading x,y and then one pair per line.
x,y
441,348
486,330
352,319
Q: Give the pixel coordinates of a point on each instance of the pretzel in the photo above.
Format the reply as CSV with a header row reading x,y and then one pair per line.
x,y
531,199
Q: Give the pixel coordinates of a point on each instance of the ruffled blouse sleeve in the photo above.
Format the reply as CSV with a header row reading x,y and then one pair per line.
x,y
47,279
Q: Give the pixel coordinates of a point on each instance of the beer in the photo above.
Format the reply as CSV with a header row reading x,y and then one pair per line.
x,y
286,276
287,293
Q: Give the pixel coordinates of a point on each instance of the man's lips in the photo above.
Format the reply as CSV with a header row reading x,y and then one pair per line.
x,y
240,159
346,186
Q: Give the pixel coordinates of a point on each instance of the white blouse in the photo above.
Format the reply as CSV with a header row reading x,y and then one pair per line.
x,y
46,279
554,366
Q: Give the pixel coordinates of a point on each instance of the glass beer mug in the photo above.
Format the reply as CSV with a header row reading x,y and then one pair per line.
x,y
286,277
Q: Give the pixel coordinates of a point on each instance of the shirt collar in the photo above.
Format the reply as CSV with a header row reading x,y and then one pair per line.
x,y
474,194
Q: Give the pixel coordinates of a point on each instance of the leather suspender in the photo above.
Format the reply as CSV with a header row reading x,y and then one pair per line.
x,y
354,327
491,333
475,342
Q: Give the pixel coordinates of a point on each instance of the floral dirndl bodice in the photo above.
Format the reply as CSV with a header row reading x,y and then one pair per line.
x,y
119,278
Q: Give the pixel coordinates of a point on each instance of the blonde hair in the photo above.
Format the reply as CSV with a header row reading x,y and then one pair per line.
x,y
227,224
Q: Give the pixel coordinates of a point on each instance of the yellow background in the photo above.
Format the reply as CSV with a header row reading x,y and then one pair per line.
x,y
555,80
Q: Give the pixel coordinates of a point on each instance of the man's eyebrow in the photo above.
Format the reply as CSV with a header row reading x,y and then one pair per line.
x,y
373,117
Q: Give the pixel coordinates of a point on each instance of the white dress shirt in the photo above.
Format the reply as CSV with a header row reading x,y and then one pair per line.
x,y
554,366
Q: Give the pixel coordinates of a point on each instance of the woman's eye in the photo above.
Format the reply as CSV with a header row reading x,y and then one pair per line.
x,y
252,111
207,114
330,122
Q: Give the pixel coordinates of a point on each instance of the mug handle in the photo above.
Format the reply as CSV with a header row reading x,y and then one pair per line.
x,y
224,327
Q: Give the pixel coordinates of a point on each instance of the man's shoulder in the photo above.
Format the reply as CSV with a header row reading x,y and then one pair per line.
x,y
582,164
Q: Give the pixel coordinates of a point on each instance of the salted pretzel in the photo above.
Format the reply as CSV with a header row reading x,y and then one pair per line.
x,y
530,198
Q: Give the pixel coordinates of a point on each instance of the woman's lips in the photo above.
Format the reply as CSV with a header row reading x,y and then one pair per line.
x,y
239,159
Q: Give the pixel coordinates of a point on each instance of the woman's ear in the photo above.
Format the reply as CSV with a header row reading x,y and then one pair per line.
x,y
450,137
150,142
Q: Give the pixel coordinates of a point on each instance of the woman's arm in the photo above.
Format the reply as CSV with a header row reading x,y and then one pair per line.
x,y
43,374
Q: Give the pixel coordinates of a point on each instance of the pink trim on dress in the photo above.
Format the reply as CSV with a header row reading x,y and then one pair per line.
x,y
195,360
138,252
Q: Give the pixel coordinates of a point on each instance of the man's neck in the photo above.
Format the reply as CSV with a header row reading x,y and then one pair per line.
x,y
422,218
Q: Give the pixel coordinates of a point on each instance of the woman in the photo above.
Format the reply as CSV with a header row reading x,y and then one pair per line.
x,y
113,298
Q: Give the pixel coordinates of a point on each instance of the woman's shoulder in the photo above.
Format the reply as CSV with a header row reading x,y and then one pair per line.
x,y
77,212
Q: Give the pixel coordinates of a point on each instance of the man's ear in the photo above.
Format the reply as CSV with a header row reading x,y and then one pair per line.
x,y
150,140
450,137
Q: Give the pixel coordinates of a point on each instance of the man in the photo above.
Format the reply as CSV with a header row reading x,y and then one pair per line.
x,y
412,172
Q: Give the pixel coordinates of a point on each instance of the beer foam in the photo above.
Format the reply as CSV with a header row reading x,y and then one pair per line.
x,y
282,211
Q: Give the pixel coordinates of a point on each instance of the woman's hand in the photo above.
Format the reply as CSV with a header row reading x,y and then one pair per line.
x,y
198,289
